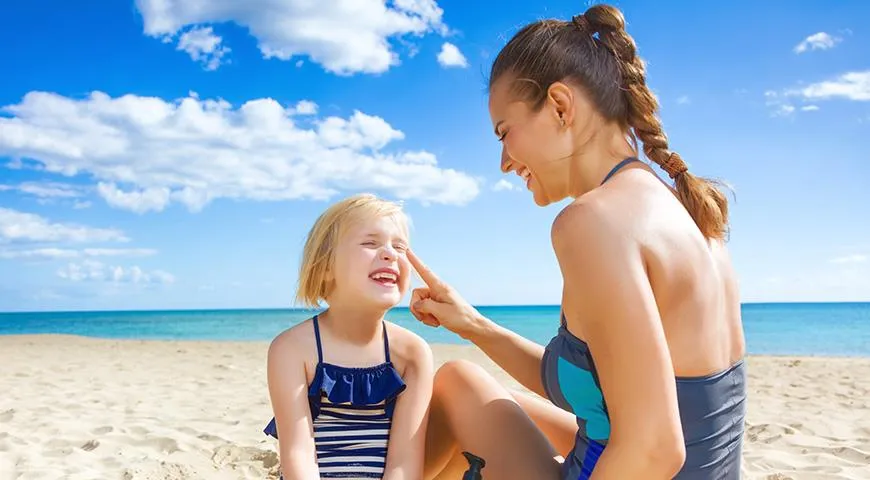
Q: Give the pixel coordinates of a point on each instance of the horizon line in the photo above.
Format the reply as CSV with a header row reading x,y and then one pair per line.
x,y
291,309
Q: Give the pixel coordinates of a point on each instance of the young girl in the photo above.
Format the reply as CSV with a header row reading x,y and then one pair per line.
x,y
349,390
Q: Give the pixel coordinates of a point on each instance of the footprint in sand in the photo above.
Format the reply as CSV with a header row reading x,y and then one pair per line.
x,y
137,430
768,433
846,453
6,416
231,454
164,444
102,430
161,444
90,445
210,438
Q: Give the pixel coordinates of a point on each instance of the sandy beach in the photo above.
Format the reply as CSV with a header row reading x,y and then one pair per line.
x,y
82,408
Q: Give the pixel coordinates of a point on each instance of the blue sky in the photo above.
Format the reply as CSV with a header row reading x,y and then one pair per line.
x,y
156,156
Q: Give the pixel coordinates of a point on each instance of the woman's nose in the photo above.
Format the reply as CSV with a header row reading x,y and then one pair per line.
x,y
506,162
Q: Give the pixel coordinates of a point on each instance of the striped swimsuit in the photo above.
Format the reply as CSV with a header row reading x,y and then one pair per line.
x,y
352,410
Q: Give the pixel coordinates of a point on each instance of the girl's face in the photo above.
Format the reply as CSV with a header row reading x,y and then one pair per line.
x,y
370,265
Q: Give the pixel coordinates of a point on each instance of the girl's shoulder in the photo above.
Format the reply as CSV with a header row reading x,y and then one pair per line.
x,y
297,339
406,346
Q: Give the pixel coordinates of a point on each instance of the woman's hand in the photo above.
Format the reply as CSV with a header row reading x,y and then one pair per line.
x,y
437,304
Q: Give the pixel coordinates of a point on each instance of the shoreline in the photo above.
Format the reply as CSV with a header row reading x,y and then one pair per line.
x,y
87,407
36,336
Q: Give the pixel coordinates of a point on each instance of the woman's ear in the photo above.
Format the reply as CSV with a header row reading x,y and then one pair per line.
x,y
560,100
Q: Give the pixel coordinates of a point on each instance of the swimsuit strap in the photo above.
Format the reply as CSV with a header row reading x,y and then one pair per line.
x,y
320,347
317,337
617,167
386,343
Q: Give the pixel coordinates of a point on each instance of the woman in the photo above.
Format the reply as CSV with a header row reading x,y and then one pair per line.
x,y
645,377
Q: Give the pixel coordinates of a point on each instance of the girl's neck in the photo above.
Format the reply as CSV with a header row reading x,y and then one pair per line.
x,y
352,323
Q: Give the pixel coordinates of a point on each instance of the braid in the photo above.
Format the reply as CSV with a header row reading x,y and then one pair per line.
x,y
705,203
642,105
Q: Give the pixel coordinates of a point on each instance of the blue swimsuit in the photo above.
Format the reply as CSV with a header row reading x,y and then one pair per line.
x,y
352,410
712,409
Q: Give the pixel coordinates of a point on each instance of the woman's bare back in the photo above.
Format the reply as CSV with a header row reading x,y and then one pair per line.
x,y
695,285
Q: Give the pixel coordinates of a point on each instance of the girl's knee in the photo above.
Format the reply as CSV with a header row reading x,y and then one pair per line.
x,y
458,373
466,382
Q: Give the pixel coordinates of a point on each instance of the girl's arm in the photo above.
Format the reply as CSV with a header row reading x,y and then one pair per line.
x,y
407,445
288,392
608,299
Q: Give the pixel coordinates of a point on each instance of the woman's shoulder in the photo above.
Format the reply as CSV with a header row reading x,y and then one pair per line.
x,y
595,224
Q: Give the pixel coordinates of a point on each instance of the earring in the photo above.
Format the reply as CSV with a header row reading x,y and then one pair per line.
x,y
561,121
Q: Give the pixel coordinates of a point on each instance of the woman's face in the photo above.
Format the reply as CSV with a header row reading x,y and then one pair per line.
x,y
540,146
533,143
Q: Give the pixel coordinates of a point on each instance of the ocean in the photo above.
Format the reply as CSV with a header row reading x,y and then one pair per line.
x,y
815,329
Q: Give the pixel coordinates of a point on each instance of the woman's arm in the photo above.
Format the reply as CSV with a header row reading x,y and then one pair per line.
x,y
518,356
609,301
438,304
288,392
406,450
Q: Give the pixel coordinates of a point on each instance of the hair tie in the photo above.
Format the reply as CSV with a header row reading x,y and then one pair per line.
x,y
674,166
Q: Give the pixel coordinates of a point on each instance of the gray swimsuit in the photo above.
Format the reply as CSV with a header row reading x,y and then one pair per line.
x,y
712,409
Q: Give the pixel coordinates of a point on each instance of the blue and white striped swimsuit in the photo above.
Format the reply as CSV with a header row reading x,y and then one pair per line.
x,y
352,410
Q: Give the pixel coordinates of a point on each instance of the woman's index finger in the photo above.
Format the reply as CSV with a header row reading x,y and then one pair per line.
x,y
428,276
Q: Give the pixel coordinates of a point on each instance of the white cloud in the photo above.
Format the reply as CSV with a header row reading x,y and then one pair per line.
x,y
684,100
817,41
345,37
504,185
856,258
203,46
305,107
46,189
21,226
139,201
66,253
853,86
146,153
91,270
450,56
850,86
784,111
780,107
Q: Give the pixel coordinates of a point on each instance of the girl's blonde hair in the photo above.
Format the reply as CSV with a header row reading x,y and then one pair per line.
x,y
318,255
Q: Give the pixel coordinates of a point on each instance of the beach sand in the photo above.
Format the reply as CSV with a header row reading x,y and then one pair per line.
x,y
81,408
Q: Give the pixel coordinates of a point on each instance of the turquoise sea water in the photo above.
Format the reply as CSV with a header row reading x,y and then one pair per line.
x,y
825,329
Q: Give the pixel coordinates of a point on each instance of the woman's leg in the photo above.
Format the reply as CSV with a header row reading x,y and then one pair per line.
x,y
559,426
472,412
